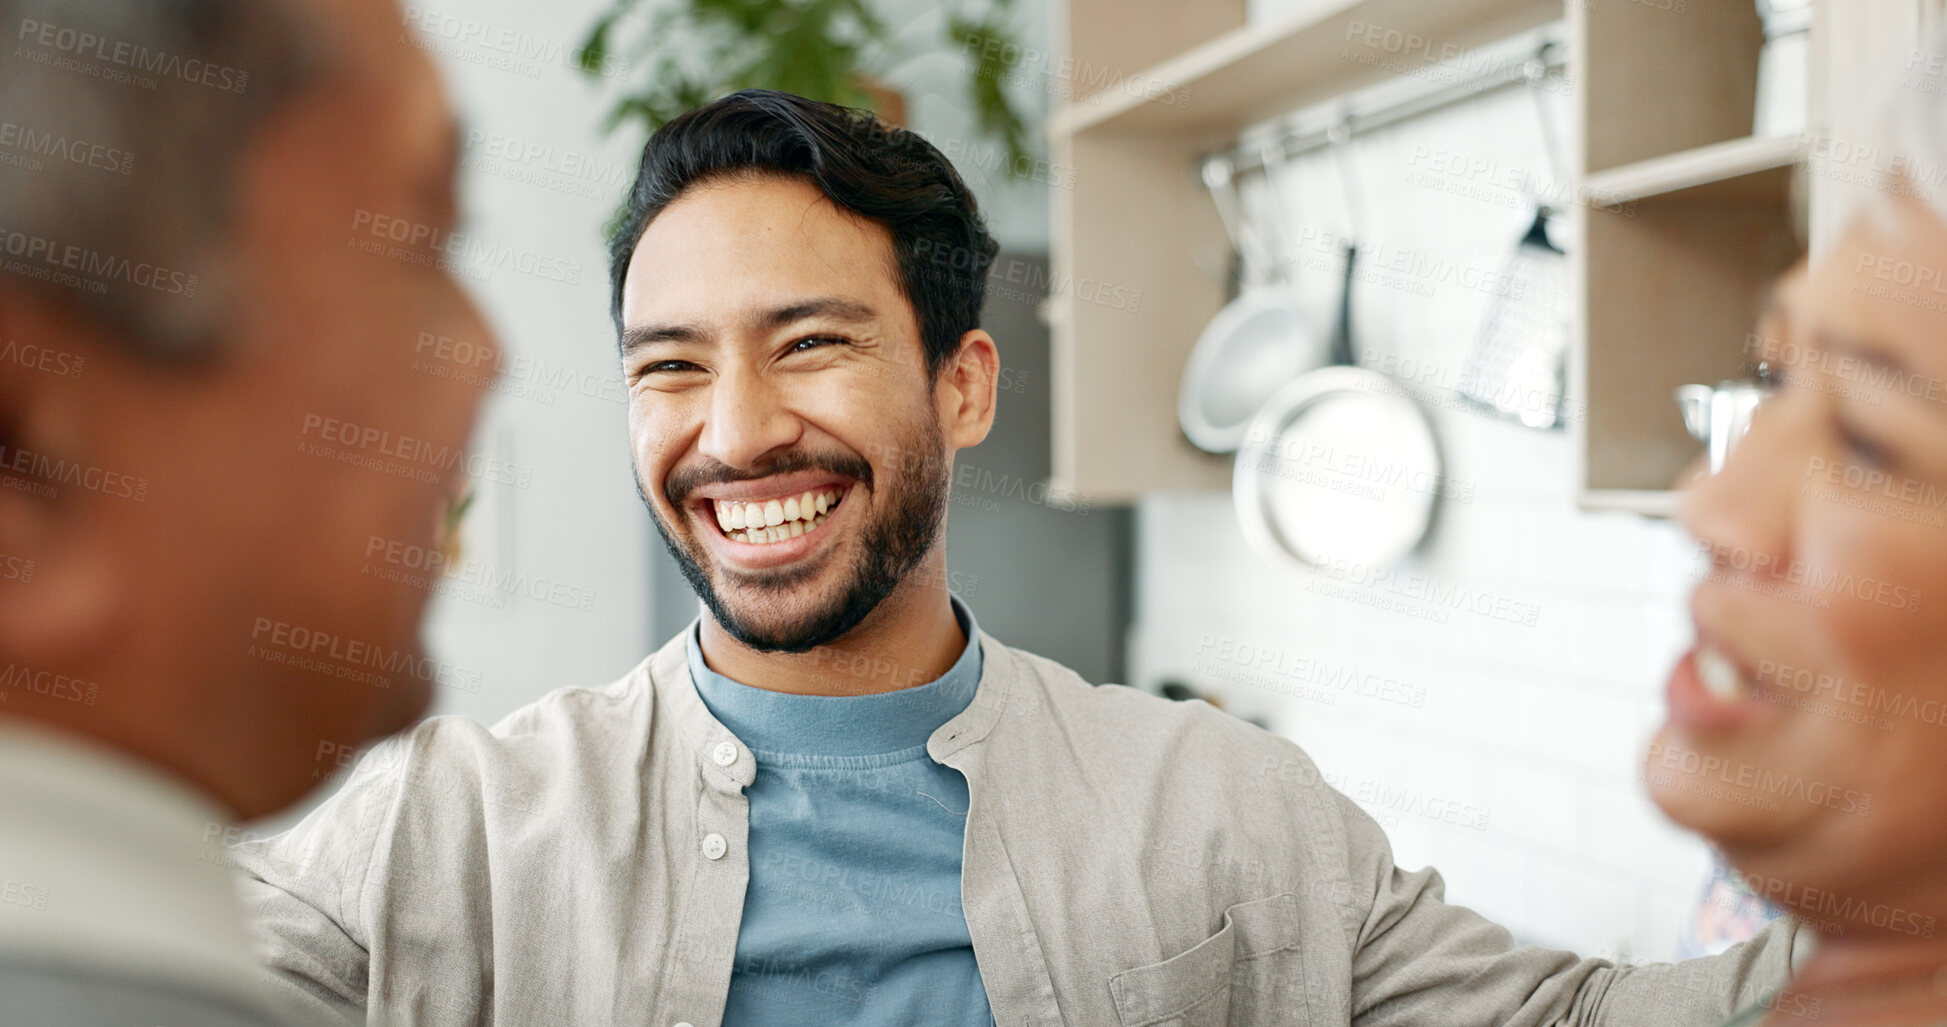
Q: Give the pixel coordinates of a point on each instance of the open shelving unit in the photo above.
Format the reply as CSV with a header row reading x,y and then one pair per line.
x,y
1180,80
1689,220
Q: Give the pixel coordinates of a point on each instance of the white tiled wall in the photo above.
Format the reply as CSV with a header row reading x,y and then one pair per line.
x,y
1534,730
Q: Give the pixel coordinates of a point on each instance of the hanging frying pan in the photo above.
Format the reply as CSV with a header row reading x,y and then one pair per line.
x,y
1339,471
1260,340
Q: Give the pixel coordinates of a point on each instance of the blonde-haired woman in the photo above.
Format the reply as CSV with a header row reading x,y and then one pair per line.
x,y
1807,733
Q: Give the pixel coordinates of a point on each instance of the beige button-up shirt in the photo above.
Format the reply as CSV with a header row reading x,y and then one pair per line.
x,y
115,906
1128,861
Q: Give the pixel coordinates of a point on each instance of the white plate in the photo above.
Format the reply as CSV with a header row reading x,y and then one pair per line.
x,y
1339,471
1251,349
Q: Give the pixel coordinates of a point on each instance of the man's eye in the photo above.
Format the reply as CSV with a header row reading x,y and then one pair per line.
x,y
815,341
661,367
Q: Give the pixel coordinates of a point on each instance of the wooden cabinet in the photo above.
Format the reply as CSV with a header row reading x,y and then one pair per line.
x,y
1687,218
1695,217
1129,296
1687,221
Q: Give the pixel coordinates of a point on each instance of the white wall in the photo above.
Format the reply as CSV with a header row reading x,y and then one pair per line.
x,y
933,78
563,551
539,178
1536,730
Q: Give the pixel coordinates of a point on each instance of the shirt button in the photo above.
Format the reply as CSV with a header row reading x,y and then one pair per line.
x,y
714,846
725,754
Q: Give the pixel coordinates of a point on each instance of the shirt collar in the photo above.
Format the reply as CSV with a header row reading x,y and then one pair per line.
x,y
784,723
108,861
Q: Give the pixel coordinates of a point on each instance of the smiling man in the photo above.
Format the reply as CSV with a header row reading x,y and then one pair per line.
x,y
785,440
834,799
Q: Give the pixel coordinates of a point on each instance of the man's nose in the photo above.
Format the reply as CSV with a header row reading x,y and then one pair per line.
x,y
747,419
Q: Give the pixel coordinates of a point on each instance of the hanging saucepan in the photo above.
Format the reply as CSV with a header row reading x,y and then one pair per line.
x,y
1339,471
1260,340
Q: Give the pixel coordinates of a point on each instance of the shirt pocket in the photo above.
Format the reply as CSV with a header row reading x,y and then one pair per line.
x,y
1250,973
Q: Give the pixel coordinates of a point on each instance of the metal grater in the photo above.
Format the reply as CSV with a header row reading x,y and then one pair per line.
x,y
1516,369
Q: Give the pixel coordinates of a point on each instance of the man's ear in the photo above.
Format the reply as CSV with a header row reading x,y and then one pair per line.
x,y
967,390
57,574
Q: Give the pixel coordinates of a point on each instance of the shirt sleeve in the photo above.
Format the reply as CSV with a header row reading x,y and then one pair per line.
x,y
79,998
1419,960
303,890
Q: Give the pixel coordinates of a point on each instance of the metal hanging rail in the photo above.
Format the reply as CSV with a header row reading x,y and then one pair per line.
x,y
1548,57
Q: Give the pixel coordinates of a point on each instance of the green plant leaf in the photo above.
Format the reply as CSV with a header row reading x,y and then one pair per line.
x,y
594,49
986,42
694,51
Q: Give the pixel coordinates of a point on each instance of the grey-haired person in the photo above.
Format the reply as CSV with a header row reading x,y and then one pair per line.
x,y
181,320
1805,730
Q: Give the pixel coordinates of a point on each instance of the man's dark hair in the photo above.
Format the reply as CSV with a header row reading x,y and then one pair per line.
x,y
887,175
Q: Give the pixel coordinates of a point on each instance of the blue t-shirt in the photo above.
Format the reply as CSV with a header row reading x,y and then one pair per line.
x,y
853,911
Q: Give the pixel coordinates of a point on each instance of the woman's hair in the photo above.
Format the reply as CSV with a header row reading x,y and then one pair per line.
x,y
1905,148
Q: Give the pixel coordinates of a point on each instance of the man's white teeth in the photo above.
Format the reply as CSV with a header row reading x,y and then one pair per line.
x,y
776,520
1719,675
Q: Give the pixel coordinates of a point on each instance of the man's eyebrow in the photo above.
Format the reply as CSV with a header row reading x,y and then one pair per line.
x,y
823,306
851,311
635,337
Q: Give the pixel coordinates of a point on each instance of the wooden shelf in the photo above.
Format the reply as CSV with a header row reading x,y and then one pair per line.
x,y
1729,170
1255,72
1673,285
1688,220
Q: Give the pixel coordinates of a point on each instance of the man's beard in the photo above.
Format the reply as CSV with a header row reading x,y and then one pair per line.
x,y
890,545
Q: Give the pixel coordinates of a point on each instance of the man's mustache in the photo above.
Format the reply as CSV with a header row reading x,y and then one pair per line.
x,y
684,483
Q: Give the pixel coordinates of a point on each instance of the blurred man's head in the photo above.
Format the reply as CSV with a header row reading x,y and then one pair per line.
x,y
797,288
207,415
